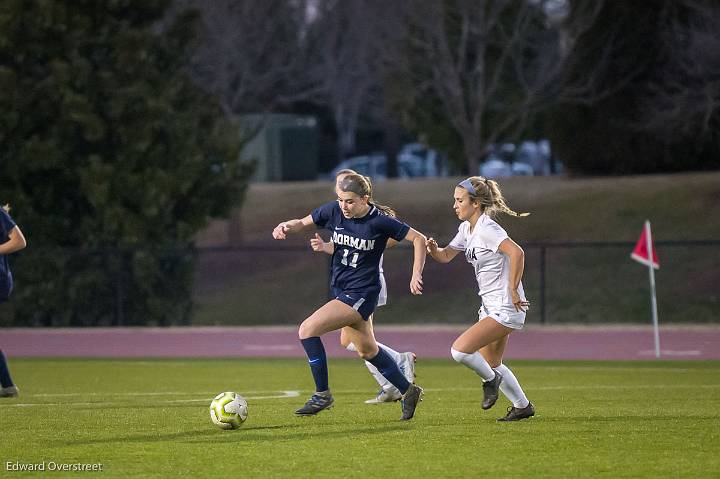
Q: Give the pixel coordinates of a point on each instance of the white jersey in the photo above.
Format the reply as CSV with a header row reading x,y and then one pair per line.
x,y
492,268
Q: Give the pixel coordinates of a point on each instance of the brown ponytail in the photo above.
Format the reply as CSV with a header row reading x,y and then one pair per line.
x,y
362,185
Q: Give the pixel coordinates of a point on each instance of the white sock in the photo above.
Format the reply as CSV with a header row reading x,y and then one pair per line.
x,y
510,387
384,383
474,361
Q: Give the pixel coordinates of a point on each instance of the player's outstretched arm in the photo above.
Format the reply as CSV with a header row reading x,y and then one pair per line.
x,y
16,242
441,255
292,226
418,240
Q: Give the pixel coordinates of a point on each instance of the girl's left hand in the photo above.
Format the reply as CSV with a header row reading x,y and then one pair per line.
x,y
416,284
317,243
520,304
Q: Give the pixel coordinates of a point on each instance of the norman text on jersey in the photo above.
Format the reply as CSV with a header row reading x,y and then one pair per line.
x,y
357,243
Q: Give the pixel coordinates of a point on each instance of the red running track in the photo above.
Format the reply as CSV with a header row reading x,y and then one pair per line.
x,y
556,342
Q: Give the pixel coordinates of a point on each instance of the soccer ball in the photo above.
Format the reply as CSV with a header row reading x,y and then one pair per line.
x,y
228,410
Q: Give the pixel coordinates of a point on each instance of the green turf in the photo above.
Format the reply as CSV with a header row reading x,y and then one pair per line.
x,y
150,419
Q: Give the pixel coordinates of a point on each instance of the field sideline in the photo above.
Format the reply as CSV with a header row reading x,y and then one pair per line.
x,y
149,418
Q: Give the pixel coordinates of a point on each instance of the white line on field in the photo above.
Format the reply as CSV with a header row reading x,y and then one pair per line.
x,y
165,393
285,394
669,352
597,386
296,393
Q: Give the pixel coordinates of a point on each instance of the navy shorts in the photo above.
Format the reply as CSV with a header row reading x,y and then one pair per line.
x,y
6,285
363,301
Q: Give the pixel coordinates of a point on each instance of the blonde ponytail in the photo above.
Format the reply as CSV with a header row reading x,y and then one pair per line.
x,y
487,193
498,201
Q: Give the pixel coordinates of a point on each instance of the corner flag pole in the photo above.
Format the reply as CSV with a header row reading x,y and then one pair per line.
x,y
653,296
644,253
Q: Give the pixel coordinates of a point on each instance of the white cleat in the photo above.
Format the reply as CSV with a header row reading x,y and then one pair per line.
x,y
384,396
407,365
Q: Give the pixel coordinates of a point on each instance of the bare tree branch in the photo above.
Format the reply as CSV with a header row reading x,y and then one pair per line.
x,y
250,53
486,62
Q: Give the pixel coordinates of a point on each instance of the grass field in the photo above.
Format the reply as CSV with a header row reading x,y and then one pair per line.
x,y
150,419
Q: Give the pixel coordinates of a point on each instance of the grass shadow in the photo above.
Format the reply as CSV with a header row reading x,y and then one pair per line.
x,y
345,433
198,434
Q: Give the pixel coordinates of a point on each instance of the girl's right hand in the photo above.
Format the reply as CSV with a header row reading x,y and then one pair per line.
x,y
280,231
431,245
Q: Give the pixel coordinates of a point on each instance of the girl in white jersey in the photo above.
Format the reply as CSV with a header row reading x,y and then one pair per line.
x,y
498,263
405,361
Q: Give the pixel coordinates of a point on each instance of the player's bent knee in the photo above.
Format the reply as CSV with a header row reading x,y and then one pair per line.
x,y
366,351
459,346
306,330
459,356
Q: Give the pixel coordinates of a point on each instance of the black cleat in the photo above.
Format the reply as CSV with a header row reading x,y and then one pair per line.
x,y
516,414
491,389
315,404
409,401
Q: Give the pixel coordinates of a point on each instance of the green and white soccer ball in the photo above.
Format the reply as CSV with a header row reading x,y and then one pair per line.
x,y
228,410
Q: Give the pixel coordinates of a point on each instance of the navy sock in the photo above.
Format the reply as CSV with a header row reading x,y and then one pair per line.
x,y
389,368
5,380
318,362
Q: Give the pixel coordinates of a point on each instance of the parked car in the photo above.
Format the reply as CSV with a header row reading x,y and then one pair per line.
x,y
495,168
413,160
374,166
528,158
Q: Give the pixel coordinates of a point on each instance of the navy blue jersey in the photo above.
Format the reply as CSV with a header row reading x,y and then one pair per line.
x,y
6,225
359,244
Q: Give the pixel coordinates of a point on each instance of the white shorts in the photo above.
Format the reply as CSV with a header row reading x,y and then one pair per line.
x,y
506,316
382,299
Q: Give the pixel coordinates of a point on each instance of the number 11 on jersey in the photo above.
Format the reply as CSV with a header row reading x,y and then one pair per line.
x,y
353,262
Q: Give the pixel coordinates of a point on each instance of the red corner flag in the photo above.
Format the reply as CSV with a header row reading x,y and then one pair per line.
x,y
644,244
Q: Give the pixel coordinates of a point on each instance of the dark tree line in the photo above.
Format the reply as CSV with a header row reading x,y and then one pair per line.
x,y
113,158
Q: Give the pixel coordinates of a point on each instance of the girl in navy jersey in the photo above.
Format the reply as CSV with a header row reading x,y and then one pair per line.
x,y
359,234
405,361
498,262
11,240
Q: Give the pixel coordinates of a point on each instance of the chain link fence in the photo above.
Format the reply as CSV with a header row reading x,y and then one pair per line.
x,y
565,282
283,284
